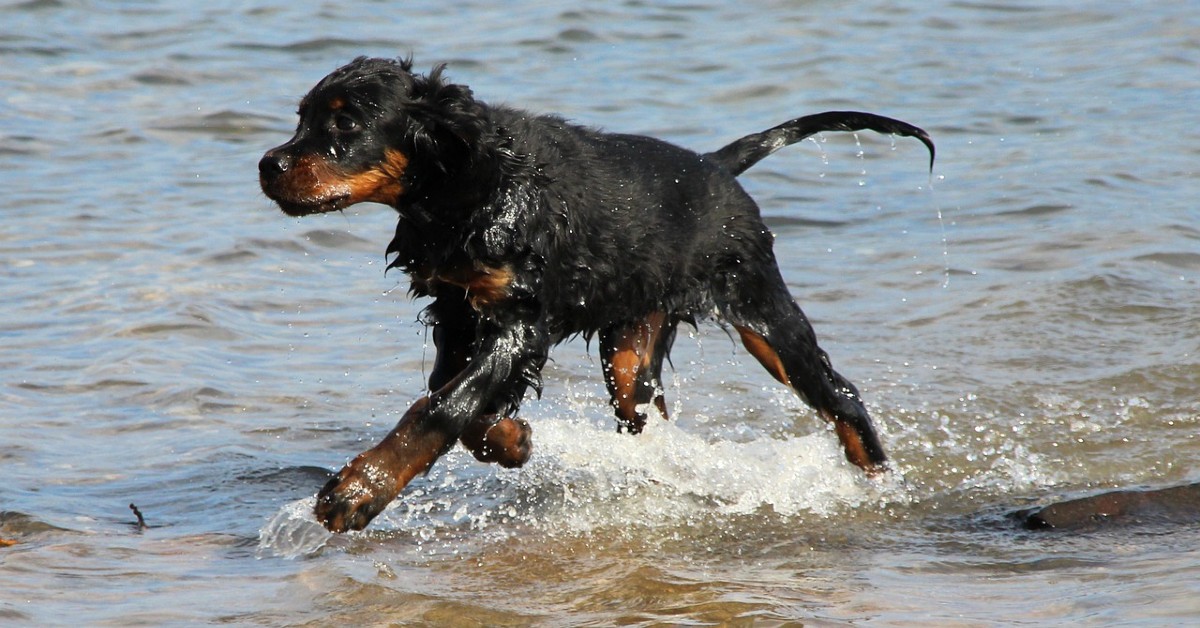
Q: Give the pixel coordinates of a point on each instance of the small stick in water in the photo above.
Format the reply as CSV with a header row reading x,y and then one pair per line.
x,y
141,523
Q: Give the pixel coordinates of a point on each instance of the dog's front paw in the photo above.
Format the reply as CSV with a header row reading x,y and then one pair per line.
x,y
352,498
507,442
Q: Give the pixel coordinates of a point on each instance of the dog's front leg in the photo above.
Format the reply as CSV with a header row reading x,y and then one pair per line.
x,y
509,360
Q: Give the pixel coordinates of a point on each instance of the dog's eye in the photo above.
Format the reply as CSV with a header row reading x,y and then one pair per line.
x,y
345,123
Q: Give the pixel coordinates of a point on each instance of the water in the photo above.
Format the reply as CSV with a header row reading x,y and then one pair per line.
x,y
1022,323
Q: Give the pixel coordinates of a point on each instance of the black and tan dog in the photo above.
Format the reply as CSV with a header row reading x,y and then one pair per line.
x,y
527,230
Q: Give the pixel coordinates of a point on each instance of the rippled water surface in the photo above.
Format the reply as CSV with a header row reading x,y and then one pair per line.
x,y
1023,323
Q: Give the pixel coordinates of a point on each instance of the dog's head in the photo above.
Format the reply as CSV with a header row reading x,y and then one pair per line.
x,y
372,131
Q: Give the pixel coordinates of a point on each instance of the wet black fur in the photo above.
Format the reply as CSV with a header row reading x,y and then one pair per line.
x,y
600,229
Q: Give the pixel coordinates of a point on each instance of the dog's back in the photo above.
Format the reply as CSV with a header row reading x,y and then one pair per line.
x,y
630,224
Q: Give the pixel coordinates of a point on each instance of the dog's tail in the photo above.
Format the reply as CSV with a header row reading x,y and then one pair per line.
x,y
740,154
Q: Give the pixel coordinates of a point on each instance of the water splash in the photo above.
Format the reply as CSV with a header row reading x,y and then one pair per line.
x,y
668,474
585,477
293,532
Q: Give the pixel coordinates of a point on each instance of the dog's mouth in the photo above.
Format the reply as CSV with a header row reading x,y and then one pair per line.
x,y
308,207
303,184
306,202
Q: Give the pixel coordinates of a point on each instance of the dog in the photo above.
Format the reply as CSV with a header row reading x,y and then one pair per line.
x,y
526,230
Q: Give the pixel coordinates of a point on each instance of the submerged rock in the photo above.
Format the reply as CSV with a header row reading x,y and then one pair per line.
x,y
1177,504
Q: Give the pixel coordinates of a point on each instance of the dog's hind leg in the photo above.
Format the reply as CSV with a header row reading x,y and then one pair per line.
x,y
779,336
797,362
632,355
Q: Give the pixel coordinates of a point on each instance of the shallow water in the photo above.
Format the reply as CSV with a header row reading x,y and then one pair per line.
x,y
1022,323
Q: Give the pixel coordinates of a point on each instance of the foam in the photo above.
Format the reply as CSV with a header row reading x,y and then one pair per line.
x,y
584,476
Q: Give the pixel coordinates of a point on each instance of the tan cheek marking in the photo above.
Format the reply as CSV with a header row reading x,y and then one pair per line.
x,y
381,184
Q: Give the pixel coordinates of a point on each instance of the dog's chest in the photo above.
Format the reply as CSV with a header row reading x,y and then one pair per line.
x,y
485,286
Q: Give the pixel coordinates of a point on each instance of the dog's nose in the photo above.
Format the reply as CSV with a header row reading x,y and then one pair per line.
x,y
273,164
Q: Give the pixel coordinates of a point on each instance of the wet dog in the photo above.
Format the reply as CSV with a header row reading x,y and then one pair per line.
x,y
526,230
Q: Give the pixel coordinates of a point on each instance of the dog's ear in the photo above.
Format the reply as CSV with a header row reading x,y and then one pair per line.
x,y
453,130
447,111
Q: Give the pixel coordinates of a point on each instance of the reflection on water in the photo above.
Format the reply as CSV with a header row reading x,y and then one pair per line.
x,y
1021,324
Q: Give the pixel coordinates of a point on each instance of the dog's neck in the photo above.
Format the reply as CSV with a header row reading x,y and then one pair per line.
x,y
471,177
454,226
473,207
